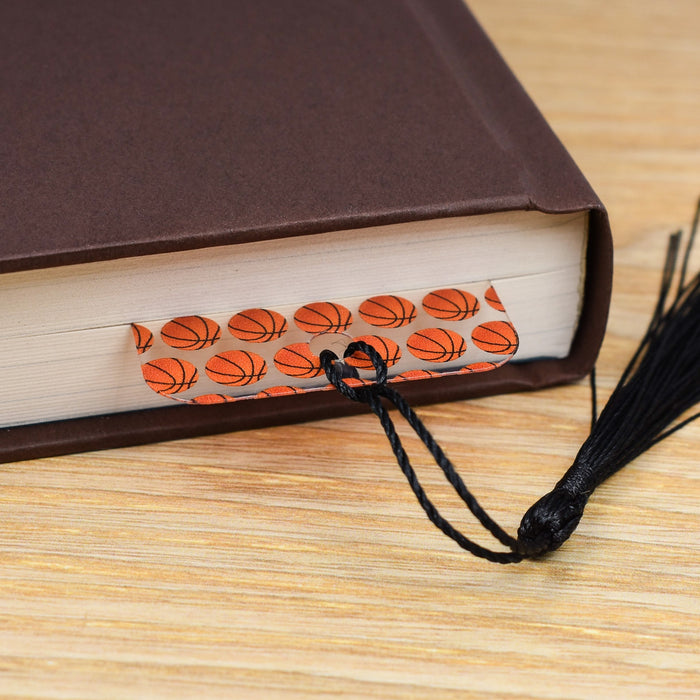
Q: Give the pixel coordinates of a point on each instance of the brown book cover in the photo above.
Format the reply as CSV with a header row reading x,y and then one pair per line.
x,y
135,128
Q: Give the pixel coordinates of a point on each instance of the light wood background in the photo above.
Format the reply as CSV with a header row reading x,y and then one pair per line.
x,y
295,563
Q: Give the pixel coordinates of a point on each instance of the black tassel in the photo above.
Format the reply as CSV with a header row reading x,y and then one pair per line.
x,y
660,384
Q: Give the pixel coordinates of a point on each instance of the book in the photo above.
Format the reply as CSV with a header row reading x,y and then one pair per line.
x,y
176,161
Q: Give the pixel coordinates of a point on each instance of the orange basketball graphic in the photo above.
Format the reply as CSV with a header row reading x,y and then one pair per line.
x,y
236,368
388,350
279,391
436,345
258,325
451,304
323,317
414,374
498,337
493,300
297,360
387,311
209,399
169,375
143,338
190,333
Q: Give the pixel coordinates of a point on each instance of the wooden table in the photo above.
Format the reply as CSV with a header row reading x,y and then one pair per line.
x,y
295,563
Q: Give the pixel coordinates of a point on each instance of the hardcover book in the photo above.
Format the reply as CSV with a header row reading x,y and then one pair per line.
x,y
196,198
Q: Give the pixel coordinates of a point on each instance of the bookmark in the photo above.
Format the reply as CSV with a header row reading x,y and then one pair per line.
x,y
364,348
264,352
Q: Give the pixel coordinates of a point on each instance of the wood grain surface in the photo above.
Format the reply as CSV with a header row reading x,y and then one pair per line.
x,y
295,563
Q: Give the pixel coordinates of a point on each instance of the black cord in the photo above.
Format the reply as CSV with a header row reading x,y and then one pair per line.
x,y
372,395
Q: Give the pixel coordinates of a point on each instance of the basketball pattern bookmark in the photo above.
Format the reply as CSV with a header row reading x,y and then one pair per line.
x,y
361,346
262,352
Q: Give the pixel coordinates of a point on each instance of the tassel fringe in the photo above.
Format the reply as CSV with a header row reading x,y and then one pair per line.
x,y
661,382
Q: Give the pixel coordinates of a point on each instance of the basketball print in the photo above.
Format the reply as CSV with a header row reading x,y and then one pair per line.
x,y
414,374
387,311
236,368
190,333
323,317
493,300
143,338
451,304
297,360
258,325
498,337
279,391
436,345
210,399
388,350
169,375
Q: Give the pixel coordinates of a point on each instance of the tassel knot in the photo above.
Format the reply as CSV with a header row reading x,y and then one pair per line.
x,y
550,521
